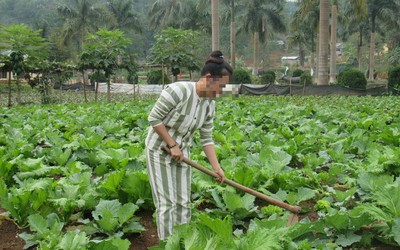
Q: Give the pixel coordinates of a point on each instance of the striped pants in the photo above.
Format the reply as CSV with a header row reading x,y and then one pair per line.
x,y
170,184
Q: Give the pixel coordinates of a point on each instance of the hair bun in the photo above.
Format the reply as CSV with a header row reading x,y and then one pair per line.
x,y
217,54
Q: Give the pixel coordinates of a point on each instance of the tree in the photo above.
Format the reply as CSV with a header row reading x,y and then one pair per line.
x,y
323,75
233,34
214,25
305,22
22,47
101,52
164,12
257,18
307,18
332,75
175,49
126,17
231,15
378,9
80,17
355,20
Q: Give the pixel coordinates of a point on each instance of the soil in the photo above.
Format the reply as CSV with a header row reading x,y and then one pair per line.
x,y
9,239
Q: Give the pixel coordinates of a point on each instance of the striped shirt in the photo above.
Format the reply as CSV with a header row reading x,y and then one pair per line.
x,y
182,112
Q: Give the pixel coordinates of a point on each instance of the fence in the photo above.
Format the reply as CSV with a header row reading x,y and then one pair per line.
x,y
128,92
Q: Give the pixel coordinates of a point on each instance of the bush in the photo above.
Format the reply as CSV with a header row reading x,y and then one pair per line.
x,y
352,78
305,78
297,72
97,76
241,75
154,76
394,78
268,77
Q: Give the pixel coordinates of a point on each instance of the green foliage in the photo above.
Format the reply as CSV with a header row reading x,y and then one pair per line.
x,y
322,205
297,72
24,42
175,48
352,78
23,50
305,78
64,159
155,76
271,209
28,198
113,218
240,76
394,56
394,78
102,50
97,76
47,232
268,77
51,73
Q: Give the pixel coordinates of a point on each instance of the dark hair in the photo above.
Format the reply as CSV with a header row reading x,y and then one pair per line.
x,y
216,65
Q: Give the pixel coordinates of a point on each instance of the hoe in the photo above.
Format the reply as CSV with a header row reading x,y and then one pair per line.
x,y
293,217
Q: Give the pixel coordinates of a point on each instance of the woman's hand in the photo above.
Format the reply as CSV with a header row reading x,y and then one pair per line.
x,y
176,153
221,174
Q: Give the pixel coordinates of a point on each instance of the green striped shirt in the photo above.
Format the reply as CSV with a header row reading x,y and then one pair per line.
x,y
182,112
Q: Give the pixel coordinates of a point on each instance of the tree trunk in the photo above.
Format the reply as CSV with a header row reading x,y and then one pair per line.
x,y
301,54
96,91
18,90
233,35
323,76
214,25
109,89
312,62
372,51
256,53
332,78
359,50
9,90
317,60
84,86
312,57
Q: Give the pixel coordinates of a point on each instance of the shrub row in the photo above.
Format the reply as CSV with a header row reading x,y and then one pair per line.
x,y
349,77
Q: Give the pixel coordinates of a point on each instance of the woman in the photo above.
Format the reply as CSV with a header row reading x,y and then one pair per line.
x,y
181,109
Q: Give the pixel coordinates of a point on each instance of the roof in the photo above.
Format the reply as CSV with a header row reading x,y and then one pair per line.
x,y
290,57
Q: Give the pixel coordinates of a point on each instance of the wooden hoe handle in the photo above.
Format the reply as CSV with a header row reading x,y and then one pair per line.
x,y
293,209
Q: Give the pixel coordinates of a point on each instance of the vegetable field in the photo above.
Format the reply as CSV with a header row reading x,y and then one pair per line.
x,y
75,175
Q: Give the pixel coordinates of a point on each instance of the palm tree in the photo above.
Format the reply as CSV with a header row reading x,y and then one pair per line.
x,y
80,17
214,25
164,12
257,18
126,17
306,20
297,38
332,75
356,21
323,76
230,17
378,9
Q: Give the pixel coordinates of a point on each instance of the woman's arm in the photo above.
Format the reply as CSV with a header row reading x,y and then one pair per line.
x,y
176,152
212,158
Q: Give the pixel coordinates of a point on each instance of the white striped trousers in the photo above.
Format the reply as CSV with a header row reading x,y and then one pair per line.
x,y
170,184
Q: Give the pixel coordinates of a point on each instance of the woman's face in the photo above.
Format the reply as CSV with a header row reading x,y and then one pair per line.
x,y
215,85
